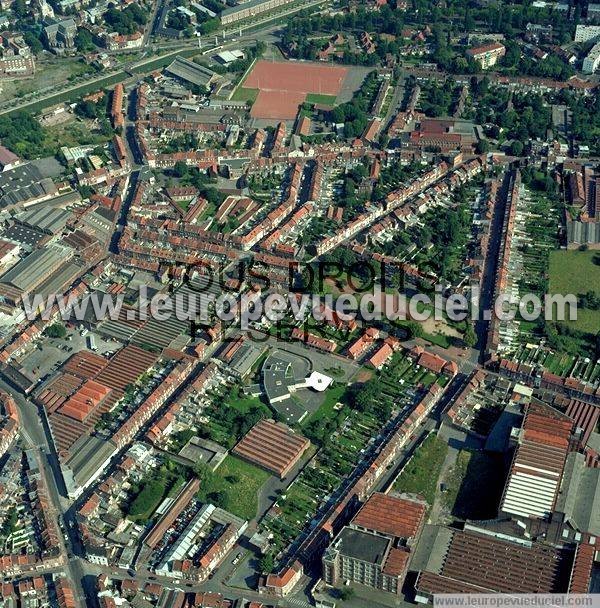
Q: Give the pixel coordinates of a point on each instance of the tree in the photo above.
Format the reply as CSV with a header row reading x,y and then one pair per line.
x,y
470,337
413,329
516,148
482,146
20,9
33,42
180,169
86,109
267,563
56,331
218,498
22,134
84,41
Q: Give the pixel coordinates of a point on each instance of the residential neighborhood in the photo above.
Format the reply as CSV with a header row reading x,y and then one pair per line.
x,y
287,296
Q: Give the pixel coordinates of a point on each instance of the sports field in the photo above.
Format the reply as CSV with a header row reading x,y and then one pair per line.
x,y
283,86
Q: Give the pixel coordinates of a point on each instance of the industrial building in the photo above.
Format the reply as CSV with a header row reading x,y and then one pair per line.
x,y
375,548
24,184
250,9
89,457
537,468
272,446
579,499
191,72
33,270
481,560
45,219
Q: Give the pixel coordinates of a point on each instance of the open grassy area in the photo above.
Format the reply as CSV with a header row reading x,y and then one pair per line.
x,y
150,492
244,94
245,404
576,272
420,475
326,100
50,72
184,205
241,482
73,133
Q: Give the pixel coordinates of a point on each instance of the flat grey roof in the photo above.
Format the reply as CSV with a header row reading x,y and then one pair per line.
x,y
23,235
365,546
246,357
36,267
23,183
581,501
190,71
49,220
89,453
282,368
276,375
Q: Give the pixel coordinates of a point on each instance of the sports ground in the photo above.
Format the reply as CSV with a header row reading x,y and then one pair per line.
x,y
283,86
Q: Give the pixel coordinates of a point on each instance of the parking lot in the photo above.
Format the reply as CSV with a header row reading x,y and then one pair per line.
x,y
50,353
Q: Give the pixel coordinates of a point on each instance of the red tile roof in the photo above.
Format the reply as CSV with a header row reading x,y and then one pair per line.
x,y
393,515
273,446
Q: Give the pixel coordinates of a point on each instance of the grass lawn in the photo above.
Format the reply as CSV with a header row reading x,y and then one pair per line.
x,y
151,492
326,100
420,475
245,404
242,489
50,72
73,133
244,94
438,339
576,272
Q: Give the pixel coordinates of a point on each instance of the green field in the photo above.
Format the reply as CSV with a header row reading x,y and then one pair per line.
x,y
577,272
326,100
241,482
73,133
420,475
244,94
150,492
103,83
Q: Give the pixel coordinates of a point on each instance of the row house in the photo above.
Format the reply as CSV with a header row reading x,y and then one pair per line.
x,y
153,403
116,107
357,349
141,101
513,182
9,422
340,513
328,346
